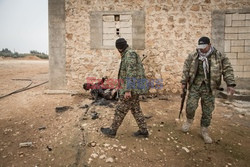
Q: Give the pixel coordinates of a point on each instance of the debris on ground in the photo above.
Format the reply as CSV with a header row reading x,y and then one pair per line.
x,y
61,109
94,115
49,148
42,128
84,106
25,144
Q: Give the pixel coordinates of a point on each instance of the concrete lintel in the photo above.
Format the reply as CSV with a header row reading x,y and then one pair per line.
x,y
218,30
240,11
57,56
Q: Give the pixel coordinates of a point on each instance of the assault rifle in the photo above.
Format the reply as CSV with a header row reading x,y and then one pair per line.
x,y
183,96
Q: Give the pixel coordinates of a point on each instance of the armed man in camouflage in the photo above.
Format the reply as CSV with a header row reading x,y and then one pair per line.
x,y
202,73
132,75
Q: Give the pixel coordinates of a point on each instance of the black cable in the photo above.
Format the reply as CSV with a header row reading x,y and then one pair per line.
x,y
23,89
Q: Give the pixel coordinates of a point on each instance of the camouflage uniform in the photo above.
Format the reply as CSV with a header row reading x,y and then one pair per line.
x,y
132,74
103,93
130,68
199,87
122,109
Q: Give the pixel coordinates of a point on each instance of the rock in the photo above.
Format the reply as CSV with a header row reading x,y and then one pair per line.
x,y
94,115
115,146
228,115
109,160
21,154
7,130
49,148
123,147
83,125
25,144
102,156
90,160
17,133
187,150
106,145
61,109
42,128
94,155
92,144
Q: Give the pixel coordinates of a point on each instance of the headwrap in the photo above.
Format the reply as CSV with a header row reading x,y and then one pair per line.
x,y
203,58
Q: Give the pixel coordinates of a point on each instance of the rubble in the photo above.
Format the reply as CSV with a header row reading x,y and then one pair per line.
x,y
25,144
186,149
61,109
109,160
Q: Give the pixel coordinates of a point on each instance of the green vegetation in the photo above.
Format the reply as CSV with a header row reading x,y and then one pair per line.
x,y
7,53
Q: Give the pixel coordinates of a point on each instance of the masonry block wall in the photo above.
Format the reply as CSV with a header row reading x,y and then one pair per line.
x,y
115,26
171,31
237,42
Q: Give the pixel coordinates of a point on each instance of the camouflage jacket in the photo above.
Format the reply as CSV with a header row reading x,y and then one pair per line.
x,y
219,65
131,73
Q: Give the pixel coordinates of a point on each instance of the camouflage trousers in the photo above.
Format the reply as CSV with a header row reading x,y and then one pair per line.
x,y
122,109
207,103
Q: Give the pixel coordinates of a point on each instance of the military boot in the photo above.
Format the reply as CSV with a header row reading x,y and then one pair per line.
x,y
187,124
140,133
108,132
205,136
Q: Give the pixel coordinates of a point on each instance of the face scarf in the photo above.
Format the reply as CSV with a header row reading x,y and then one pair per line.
x,y
203,58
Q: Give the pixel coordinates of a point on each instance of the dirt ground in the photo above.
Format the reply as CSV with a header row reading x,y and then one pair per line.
x,y
72,138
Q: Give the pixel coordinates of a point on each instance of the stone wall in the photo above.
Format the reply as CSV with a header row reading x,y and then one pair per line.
x,y
172,29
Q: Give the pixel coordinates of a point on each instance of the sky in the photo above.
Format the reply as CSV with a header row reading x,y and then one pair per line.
x,y
24,25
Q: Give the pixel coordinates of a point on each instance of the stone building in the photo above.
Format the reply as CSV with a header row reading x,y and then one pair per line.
x,y
82,35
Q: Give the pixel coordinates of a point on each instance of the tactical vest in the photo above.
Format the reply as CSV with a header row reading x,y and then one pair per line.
x,y
135,81
219,66
200,76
